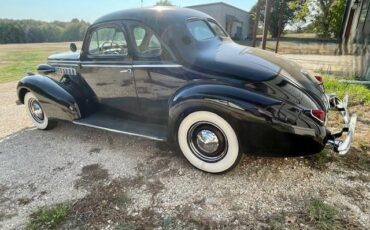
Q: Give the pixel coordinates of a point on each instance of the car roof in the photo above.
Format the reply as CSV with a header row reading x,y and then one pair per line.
x,y
156,17
169,23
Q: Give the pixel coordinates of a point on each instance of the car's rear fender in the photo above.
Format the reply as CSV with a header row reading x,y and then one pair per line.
x,y
226,100
54,99
256,117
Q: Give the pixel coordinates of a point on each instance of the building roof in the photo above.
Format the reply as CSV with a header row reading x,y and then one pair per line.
x,y
218,3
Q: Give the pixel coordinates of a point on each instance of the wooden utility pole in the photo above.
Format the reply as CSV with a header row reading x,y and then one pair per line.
x,y
280,25
256,21
266,23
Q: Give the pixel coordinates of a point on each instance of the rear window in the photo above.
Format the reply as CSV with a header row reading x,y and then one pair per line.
x,y
200,30
217,29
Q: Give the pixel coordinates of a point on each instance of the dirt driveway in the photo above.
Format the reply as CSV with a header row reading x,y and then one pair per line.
x,y
112,181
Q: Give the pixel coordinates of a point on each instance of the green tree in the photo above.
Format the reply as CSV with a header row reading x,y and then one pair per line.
x,y
327,15
20,31
164,3
301,11
277,7
337,13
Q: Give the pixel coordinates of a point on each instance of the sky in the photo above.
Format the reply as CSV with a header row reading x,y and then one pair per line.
x,y
88,10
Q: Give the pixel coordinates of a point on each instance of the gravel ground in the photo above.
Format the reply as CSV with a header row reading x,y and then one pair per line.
x,y
13,118
115,180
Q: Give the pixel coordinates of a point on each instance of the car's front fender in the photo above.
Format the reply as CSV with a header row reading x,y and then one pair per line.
x,y
55,100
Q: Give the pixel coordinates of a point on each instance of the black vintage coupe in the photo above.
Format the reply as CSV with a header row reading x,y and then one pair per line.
x,y
173,74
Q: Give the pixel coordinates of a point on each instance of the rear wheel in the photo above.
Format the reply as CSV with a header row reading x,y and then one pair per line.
x,y
36,113
209,142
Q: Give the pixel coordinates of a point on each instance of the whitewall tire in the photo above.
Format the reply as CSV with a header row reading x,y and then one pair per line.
x,y
36,113
209,142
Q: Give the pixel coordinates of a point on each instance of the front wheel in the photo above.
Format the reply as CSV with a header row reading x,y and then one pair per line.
x,y
209,142
36,113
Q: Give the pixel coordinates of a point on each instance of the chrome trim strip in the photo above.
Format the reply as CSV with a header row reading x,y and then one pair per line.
x,y
63,64
106,66
111,64
61,61
118,131
158,66
131,66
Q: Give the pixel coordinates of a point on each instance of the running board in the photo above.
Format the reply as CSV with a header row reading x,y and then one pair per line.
x,y
124,126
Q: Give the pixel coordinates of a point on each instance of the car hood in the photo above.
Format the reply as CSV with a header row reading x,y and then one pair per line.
x,y
68,56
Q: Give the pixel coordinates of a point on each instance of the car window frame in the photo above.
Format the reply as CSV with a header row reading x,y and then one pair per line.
x,y
94,28
189,20
131,24
206,21
215,22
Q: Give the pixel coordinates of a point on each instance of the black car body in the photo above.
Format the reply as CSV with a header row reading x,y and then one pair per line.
x,y
143,71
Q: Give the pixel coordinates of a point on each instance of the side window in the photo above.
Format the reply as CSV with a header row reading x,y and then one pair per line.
x,y
139,34
108,41
147,43
200,30
154,43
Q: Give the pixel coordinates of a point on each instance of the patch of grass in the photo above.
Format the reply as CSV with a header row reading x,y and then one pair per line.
x,y
361,177
277,222
315,214
166,223
125,227
18,59
364,146
357,160
321,159
123,200
322,215
49,218
359,94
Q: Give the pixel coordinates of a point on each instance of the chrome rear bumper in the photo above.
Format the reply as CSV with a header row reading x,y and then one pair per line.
x,y
342,146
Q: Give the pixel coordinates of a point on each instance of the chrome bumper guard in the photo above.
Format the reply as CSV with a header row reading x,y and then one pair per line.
x,y
342,146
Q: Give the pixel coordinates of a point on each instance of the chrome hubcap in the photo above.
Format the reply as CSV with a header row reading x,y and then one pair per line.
x,y
207,141
36,111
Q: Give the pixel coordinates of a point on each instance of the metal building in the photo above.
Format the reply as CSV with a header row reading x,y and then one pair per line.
x,y
356,34
234,20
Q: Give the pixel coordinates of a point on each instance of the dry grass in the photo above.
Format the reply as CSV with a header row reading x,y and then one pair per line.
x,y
297,47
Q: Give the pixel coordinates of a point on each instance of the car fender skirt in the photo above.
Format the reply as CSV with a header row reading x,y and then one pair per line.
x,y
55,100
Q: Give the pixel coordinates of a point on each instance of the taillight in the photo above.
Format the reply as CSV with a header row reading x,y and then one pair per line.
x,y
318,114
318,78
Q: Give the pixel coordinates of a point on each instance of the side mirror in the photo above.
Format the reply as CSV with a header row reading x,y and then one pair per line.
x,y
73,47
45,69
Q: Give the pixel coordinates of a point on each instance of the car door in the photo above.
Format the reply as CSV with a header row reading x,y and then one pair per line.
x,y
157,75
106,65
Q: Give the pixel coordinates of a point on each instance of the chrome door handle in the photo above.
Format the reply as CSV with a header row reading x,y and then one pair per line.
x,y
126,71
